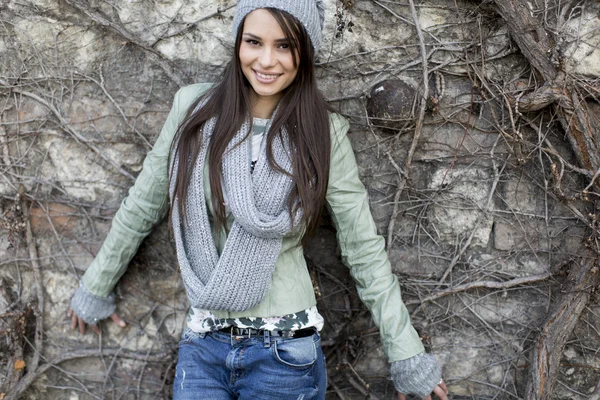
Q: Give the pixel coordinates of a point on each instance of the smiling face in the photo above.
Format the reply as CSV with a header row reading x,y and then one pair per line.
x,y
267,61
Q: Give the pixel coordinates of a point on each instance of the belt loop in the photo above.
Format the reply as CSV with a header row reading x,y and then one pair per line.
x,y
266,338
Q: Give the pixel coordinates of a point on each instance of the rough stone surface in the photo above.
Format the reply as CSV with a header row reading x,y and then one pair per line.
x,y
65,165
524,196
462,195
536,235
416,262
466,356
519,265
581,42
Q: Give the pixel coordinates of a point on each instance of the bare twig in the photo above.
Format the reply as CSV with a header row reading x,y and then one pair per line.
x,y
190,26
101,85
97,16
66,126
483,214
39,291
547,352
596,394
73,355
482,285
418,128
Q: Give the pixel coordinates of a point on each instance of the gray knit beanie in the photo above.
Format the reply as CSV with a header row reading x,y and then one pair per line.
x,y
311,13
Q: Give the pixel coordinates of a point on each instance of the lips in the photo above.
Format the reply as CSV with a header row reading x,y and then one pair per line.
x,y
265,78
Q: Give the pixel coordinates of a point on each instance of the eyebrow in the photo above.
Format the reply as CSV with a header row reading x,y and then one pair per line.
x,y
253,36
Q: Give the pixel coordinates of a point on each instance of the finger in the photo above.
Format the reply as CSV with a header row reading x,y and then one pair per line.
x,y
95,328
444,387
70,312
400,396
73,321
440,393
117,320
81,326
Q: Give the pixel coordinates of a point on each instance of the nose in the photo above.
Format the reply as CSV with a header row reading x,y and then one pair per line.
x,y
266,58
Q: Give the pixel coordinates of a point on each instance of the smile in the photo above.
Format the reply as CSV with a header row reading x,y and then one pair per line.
x,y
265,78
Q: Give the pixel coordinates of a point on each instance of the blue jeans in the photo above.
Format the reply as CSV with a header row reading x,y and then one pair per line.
x,y
216,366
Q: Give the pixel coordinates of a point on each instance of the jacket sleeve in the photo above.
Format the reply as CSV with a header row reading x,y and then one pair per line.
x,y
145,205
363,251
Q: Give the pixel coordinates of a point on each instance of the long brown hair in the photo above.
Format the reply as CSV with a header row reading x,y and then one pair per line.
x,y
302,110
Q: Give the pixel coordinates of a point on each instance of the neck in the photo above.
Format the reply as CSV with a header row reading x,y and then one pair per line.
x,y
263,107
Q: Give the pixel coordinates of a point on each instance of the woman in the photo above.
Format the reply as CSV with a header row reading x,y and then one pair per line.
x,y
248,165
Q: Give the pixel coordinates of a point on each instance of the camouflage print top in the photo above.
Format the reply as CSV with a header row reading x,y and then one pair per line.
x,y
204,321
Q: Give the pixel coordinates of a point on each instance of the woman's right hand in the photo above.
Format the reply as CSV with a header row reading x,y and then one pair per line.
x,y
76,320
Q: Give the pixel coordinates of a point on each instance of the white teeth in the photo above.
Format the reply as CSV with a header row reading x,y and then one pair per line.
x,y
266,76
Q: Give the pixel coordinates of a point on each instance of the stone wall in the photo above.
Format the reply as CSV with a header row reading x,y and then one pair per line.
x,y
86,86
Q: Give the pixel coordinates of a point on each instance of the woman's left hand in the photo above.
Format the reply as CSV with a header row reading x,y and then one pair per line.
x,y
441,390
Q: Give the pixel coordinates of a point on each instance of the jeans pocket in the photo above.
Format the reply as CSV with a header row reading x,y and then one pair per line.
x,y
188,336
296,353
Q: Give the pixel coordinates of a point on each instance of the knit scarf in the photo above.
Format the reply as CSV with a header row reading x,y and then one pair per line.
x,y
239,278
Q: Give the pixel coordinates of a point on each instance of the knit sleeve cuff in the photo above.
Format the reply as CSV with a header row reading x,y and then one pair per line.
x,y
417,375
92,308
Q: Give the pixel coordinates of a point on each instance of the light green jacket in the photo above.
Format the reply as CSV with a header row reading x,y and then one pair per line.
x,y
291,288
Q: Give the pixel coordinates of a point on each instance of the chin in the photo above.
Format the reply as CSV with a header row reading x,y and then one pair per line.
x,y
266,93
